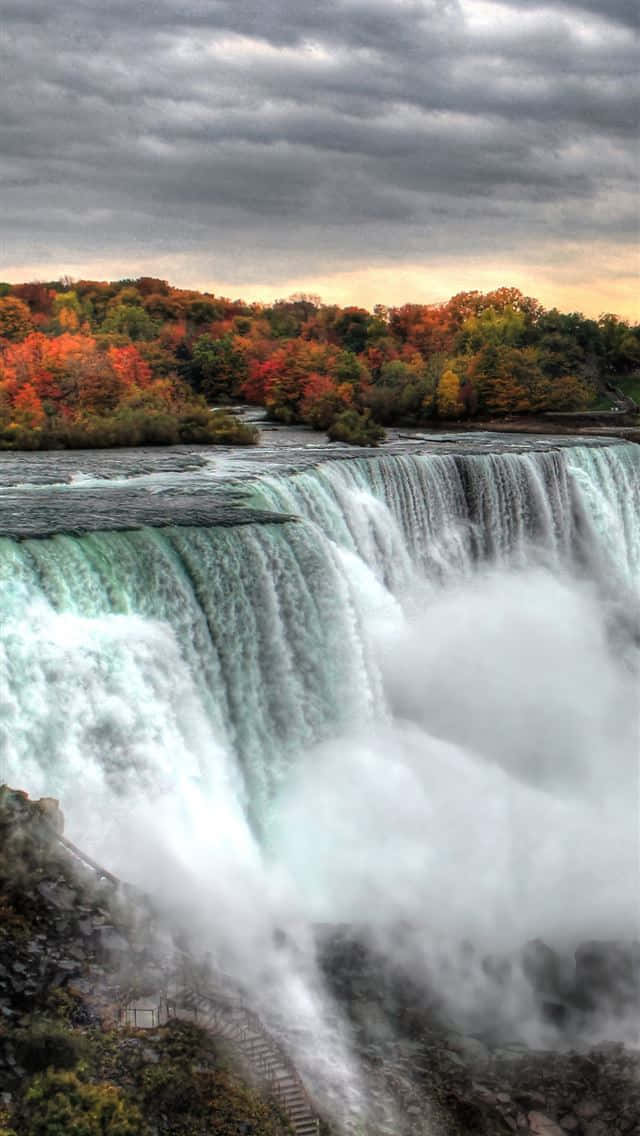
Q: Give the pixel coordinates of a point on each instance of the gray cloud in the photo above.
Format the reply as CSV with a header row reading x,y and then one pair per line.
x,y
617,11
315,136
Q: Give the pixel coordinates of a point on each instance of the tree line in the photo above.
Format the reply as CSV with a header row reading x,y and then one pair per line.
x,y
137,361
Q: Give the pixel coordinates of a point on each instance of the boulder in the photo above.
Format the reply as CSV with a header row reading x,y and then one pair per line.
x,y
607,976
541,1125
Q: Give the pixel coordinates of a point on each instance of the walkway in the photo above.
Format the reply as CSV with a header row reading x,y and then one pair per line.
x,y
224,1015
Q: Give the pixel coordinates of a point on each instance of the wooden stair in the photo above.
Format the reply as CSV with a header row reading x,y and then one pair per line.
x,y
227,1018
224,1015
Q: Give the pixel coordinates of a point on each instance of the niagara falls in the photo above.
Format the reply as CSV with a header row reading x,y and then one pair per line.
x,y
389,696
319,568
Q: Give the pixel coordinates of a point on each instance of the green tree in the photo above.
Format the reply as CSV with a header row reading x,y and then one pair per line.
x,y
568,344
200,312
130,320
348,368
352,329
217,368
619,345
492,327
401,392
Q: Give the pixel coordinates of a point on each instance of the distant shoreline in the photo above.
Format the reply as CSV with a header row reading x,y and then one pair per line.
x,y
575,426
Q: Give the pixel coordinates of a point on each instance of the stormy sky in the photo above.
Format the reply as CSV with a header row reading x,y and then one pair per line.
x,y
368,150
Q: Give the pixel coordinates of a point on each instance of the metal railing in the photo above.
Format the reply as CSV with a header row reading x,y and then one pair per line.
x,y
140,1017
195,982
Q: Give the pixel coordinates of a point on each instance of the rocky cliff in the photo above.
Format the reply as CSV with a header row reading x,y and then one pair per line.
x,y
73,951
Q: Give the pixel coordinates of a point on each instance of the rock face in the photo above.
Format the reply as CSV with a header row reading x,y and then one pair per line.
x,y
467,1086
72,948
59,921
601,981
607,977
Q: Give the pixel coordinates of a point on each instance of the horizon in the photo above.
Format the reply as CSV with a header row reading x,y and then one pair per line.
x,y
342,292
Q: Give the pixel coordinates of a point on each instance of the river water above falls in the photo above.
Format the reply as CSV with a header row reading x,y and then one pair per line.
x,y
304,683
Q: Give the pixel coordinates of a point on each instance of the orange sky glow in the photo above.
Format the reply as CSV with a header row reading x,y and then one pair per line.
x,y
593,280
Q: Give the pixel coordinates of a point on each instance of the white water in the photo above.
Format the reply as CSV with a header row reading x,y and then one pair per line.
x,y
417,704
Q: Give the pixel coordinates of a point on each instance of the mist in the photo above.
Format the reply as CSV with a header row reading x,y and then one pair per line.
x,y
490,800
354,723
499,804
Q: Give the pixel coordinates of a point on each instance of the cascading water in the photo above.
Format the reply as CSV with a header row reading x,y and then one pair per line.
x,y
440,651
266,625
133,652
446,514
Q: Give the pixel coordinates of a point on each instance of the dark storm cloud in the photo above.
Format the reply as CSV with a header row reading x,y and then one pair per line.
x,y
313,135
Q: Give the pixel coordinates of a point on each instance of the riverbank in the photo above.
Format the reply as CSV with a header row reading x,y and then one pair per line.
x,y
569,426
604,424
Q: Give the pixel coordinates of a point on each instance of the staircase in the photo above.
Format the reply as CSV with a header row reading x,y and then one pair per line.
x,y
227,1018
223,1014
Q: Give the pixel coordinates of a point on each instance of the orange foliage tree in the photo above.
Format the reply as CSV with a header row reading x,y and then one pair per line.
x,y
15,318
73,353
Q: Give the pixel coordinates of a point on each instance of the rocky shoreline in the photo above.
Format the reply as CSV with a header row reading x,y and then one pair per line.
x,y
74,949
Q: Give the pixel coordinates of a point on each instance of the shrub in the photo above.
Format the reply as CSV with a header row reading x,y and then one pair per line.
x,y
356,429
60,1104
213,1101
46,1046
135,426
223,428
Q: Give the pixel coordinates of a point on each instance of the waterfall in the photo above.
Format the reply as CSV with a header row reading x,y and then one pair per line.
x,y
143,656
445,514
413,704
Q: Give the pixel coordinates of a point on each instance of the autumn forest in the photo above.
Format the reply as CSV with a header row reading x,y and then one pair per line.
x,y
138,362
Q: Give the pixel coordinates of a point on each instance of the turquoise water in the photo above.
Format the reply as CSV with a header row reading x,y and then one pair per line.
x,y
126,654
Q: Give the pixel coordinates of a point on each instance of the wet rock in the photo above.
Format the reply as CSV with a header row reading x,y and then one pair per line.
x,y
607,975
596,1128
470,1048
57,895
530,1099
484,1093
53,813
588,1109
456,1058
541,1125
510,1052
111,941
70,966
543,968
